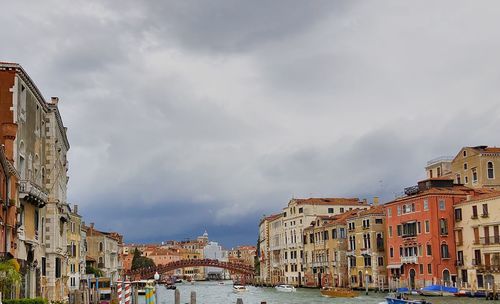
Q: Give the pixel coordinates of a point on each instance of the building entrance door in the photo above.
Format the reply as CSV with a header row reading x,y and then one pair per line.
x,y
412,279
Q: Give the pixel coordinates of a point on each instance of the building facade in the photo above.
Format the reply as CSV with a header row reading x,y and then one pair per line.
x,y
476,167
76,250
478,241
105,248
367,261
420,240
298,215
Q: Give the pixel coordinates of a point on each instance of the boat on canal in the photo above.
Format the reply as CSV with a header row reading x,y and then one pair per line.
x,y
285,288
338,292
438,290
401,298
471,293
239,288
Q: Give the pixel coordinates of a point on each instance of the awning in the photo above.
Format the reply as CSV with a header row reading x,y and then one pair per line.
x,y
394,266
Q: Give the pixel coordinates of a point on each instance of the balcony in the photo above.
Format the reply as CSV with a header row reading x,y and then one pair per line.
x,y
484,215
491,240
367,251
351,253
459,263
409,259
366,227
474,216
32,193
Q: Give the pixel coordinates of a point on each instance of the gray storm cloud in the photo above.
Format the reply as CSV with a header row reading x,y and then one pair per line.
x,y
210,114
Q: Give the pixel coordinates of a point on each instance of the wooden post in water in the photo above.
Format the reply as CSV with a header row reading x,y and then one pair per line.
x,y
177,297
193,297
239,301
136,295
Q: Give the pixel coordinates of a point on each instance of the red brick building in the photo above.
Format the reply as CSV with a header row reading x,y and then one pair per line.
x,y
420,239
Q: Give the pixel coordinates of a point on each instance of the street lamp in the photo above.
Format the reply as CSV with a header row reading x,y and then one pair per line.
x,y
366,281
156,277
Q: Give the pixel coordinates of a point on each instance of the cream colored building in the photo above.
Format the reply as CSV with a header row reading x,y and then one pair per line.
x,y
366,245
276,248
439,167
477,167
76,256
264,248
299,214
477,236
104,248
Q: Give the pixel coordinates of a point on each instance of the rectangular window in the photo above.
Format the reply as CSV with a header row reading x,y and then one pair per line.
x,y
58,267
44,266
390,231
474,212
419,228
379,221
380,261
330,210
391,252
485,210
389,212
429,268
400,230
474,175
427,226
399,210
301,210
458,214
442,205
421,268
426,204
429,250
341,210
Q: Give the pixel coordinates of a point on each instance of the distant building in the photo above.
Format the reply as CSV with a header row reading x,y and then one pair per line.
x,y
367,255
476,167
103,251
296,216
214,251
264,253
439,167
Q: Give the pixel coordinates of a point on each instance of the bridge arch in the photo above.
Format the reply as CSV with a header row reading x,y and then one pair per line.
x,y
148,272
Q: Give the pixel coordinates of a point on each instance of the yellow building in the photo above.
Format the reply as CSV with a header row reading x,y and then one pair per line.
x,y
276,246
367,261
477,225
476,167
325,249
264,248
298,215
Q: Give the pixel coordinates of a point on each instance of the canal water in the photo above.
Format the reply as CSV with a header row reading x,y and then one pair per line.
x,y
213,293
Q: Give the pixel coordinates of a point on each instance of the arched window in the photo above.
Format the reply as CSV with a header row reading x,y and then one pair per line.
x,y
443,226
491,170
445,253
101,247
446,275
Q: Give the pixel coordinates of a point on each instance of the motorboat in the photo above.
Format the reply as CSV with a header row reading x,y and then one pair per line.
x,y
338,292
400,298
471,293
285,288
221,283
438,290
170,286
239,288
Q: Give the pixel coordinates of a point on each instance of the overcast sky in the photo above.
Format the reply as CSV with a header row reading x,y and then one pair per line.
x,y
192,115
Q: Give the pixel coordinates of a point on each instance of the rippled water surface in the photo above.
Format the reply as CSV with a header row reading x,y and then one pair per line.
x,y
212,293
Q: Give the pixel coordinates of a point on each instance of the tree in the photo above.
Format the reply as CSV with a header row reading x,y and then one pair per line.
x,y
96,272
138,261
9,276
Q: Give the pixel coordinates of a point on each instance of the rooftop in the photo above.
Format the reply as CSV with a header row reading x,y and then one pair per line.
x,y
330,201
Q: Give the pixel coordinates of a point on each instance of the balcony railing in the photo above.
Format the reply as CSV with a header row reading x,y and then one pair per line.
x,y
474,216
32,192
491,240
351,252
367,251
459,263
409,260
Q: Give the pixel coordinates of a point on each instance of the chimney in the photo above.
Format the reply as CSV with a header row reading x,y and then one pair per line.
x,y
375,201
75,209
91,225
54,100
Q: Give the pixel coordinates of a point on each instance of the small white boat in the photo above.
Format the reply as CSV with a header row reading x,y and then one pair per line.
x,y
285,288
239,288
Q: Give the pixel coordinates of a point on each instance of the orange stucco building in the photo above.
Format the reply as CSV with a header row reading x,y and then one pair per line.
x,y
420,239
